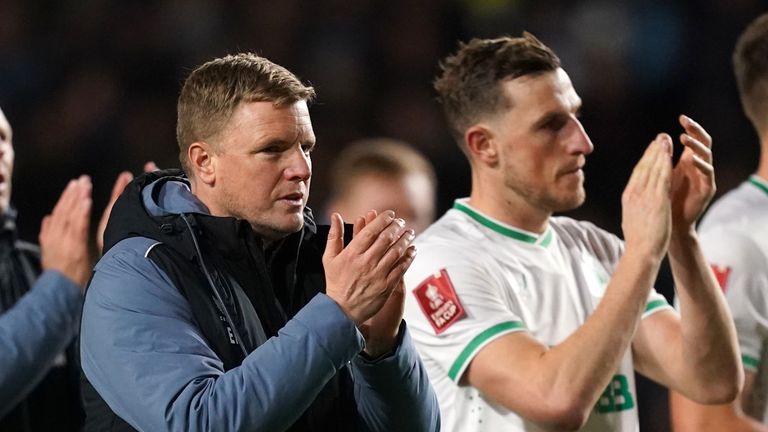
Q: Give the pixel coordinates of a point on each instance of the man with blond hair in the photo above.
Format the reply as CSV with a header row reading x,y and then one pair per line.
x,y
214,306
380,174
531,322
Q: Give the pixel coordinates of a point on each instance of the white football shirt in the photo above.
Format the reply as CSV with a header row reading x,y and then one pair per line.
x,y
476,279
734,236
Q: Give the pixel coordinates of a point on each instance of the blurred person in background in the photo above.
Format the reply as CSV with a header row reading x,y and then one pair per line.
x,y
383,174
734,235
214,306
531,322
40,301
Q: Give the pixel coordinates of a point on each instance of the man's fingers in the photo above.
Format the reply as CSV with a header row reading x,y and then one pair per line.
x,y
368,235
67,197
396,250
370,216
703,165
661,172
695,130
121,182
402,266
358,225
640,174
335,243
386,239
698,148
75,191
44,227
82,217
150,166
362,221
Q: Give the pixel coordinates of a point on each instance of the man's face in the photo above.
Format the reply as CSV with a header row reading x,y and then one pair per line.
x,y
6,163
542,145
411,196
263,167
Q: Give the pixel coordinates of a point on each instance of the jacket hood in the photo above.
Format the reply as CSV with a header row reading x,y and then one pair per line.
x,y
160,205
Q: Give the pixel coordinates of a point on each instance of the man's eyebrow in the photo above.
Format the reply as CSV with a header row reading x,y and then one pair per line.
x,y
554,115
548,117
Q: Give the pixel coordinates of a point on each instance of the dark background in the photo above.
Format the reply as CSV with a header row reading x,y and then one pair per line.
x,y
90,86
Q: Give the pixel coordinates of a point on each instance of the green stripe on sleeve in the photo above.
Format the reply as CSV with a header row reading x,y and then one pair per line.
x,y
478,342
749,362
655,305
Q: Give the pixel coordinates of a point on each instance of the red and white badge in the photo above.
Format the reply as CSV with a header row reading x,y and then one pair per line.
x,y
439,302
721,273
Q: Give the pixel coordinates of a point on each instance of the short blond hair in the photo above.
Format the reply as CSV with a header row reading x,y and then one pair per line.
x,y
214,90
377,156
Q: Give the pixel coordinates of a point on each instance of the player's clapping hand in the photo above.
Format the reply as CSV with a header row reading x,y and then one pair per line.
x,y
381,329
362,276
646,205
64,233
693,178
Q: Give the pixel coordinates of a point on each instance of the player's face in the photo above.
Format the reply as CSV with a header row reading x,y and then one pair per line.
x,y
6,163
263,167
411,197
542,144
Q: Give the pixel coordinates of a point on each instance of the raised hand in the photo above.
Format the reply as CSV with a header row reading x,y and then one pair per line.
x,y
362,277
646,205
64,233
121,182
381,329
693,179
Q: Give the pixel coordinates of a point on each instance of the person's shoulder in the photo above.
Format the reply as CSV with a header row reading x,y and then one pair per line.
x,y
127,259
588,237
581,230
129,247
125,277
452,231
737,207
459,246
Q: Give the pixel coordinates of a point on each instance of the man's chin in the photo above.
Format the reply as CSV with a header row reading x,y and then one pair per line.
x,y
276,232
569,203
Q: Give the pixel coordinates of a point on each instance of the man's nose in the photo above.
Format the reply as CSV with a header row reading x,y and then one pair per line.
x,y
300,166
581,142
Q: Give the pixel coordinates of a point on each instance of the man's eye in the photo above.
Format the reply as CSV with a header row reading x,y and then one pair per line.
x,y
554,124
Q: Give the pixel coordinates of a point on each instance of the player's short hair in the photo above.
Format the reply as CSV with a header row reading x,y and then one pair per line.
x,y
377,156
750,65
469,85
214,90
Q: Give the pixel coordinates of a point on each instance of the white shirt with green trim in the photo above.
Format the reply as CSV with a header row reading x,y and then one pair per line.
x,y
476,279
734,236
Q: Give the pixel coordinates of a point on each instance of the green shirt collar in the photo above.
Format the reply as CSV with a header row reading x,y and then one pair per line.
x,y
759,183
542,240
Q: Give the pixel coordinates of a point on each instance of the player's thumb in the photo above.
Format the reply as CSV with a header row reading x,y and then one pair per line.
x,y
335,243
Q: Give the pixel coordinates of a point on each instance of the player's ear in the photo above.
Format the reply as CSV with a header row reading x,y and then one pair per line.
x,y
481,145
202,161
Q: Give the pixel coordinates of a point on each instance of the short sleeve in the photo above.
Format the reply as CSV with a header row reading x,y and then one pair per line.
x,y
455,307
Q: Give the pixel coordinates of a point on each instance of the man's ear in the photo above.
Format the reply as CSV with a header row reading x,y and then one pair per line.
x,y
202,161
480,143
